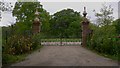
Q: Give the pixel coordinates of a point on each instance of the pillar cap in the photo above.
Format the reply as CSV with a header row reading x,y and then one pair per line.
x,y
84,12
36,12
37,19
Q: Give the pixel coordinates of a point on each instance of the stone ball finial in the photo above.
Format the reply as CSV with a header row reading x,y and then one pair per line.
x,y
37,19
36,12
84,12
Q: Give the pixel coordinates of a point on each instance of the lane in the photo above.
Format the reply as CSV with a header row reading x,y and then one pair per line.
x,y
65,56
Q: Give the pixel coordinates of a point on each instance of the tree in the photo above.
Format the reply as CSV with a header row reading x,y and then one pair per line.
x,y
104,36
104,17
66,23
25,13
116,23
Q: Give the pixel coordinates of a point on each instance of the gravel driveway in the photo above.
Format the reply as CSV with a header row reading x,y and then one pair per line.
x,y
65,56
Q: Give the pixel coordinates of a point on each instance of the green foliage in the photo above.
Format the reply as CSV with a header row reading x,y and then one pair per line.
x,y
66,23
116,23
25,13
104,40
9,59
17,45
19,36
36,39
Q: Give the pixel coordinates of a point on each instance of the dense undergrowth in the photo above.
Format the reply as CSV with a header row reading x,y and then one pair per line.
x,y
105,41
17,47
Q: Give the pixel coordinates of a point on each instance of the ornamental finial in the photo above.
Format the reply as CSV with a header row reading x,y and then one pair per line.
x,y
36,12
84,12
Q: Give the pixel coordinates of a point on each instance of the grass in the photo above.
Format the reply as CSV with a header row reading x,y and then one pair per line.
x,y
10,59
115,58
110,56
58,40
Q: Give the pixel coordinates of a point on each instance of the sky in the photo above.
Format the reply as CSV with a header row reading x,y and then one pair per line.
x,y
55,6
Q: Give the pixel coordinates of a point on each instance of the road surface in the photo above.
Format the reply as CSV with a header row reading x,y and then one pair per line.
x,y
65,56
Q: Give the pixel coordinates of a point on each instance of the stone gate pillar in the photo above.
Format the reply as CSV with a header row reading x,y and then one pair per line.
x,y
85,25
36,23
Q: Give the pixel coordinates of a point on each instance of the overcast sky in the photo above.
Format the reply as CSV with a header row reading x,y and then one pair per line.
x,y
53,7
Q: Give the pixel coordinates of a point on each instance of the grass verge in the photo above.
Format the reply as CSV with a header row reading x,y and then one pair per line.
x,y
115,58
8,59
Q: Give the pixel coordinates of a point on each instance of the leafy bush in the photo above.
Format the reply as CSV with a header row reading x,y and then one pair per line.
x,y
36,39
104,40
17,45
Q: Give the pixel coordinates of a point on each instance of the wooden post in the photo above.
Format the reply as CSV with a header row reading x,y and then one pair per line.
x,y
85,25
